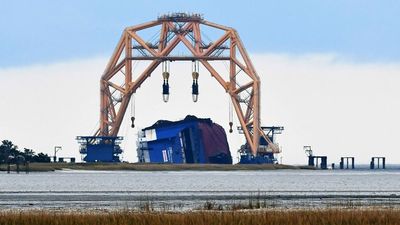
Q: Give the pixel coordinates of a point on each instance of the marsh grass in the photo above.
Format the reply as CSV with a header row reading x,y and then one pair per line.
x,y
332,217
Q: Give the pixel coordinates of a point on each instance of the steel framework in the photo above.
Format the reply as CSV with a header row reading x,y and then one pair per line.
x,y
187,29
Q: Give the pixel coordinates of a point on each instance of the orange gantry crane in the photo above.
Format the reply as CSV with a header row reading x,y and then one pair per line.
x,y
242,83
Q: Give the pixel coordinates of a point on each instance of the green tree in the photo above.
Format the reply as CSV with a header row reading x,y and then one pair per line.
x,y
29,154
41,157
7,149
10,153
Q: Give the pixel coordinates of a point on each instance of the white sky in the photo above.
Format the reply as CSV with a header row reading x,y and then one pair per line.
x,y
338,107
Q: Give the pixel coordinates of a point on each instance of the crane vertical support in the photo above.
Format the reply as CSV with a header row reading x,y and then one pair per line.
x,y
242,83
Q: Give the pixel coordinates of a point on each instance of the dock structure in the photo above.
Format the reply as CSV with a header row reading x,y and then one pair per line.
x,y
65,159
344,165
381,163
20,161
313,160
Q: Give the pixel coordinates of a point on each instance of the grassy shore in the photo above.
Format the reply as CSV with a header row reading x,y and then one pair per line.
x,y
332,217
37,167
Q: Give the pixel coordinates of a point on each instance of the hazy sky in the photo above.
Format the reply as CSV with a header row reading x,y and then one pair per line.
x,y
44,31
330,72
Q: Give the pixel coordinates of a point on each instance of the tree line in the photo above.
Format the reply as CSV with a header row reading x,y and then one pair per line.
x,y
10,153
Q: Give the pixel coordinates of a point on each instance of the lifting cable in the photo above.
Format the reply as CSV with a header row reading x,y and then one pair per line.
x,y
133,110
230,101
132,101
230,114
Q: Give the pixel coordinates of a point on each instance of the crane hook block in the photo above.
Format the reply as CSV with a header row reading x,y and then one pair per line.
x,y
133,122
195,75
165,75
230,127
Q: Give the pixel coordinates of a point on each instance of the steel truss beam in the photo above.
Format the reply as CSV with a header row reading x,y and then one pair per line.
x,y
245,96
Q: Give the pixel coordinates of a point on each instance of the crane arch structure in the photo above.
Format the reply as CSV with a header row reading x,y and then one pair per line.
x,y
242,83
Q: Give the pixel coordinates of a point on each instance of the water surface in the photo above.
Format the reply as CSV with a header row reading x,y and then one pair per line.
x,y
77,190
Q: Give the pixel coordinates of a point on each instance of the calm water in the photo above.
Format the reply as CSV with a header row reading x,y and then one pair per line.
x,y
109,190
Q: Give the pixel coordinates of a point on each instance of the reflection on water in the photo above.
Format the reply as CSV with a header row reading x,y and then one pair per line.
x,y
192,189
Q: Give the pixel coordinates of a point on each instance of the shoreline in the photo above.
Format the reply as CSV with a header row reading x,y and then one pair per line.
x,y
149,210
49,167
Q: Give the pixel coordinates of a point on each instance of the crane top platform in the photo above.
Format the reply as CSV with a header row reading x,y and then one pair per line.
x,y
180,17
